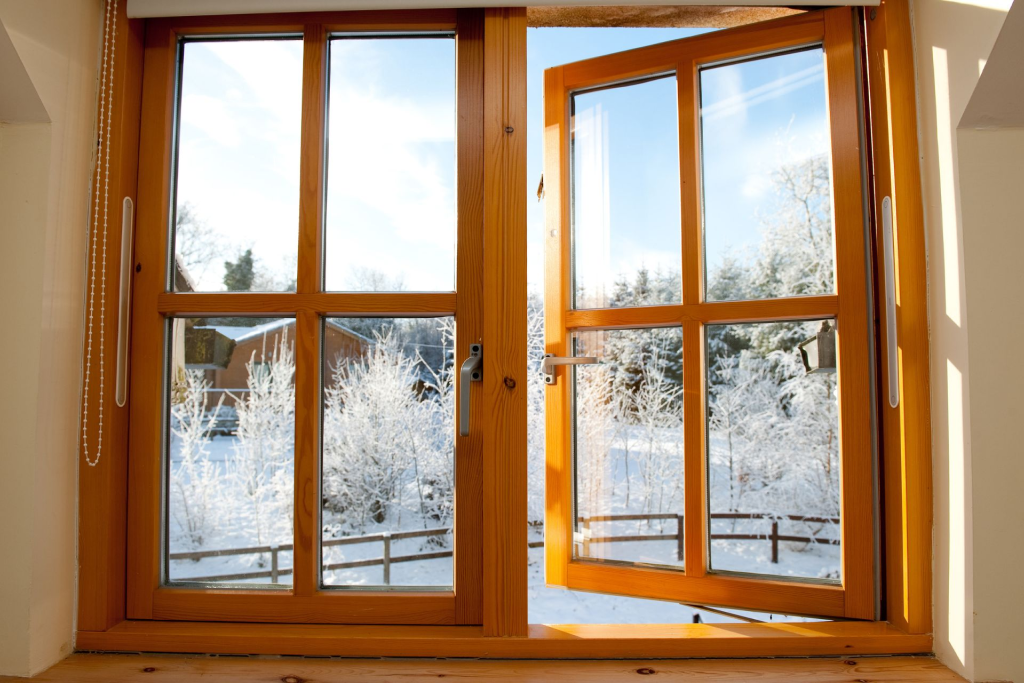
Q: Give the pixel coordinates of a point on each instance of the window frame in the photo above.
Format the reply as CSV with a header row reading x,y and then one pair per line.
x,y
306,601
833,30
889,80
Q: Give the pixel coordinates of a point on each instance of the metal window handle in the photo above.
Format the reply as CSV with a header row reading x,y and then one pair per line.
x,y
551,360
471,372
891,342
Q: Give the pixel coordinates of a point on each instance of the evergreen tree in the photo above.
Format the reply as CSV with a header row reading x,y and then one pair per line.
x,y
239,275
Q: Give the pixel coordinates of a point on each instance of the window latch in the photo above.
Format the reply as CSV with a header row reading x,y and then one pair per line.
x,y
471,372
551,361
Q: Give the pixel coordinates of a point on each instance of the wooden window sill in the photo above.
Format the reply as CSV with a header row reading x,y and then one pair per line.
x,y
542,641
82,668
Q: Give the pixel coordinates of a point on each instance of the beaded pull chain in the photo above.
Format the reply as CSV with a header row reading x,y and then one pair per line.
x,y
102,151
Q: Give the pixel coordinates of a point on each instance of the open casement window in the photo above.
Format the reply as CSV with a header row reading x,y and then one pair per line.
x,y
310,279
720,396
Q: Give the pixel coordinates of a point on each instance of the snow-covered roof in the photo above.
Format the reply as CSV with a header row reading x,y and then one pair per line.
x,y
239,333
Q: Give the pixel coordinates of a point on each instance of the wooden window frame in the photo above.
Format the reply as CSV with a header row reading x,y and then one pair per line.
x,y
503,631
833,31
305,601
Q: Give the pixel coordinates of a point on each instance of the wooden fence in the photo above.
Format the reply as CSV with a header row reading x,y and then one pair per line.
x,y
387,538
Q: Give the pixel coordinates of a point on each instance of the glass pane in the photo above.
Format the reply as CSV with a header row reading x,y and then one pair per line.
x,y
388,452
391,165
237,177
625,196
231,447
767,178
629,446
773,450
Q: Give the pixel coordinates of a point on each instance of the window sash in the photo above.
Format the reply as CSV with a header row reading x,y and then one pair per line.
x,y
850,307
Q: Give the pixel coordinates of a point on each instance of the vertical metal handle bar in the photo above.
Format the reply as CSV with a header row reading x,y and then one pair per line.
x,y
471,372
124,302
891,342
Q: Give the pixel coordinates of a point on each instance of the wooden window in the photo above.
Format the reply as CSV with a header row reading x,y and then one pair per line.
x,y
697,323
129,596
311,292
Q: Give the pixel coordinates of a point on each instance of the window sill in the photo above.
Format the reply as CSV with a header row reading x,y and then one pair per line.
x,y
604,641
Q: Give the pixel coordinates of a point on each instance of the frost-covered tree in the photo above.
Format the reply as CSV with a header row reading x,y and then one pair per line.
x,y
375,428
261,470
194,480
658,412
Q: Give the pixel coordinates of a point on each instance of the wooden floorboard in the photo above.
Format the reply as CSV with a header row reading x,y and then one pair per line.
x,y
129,668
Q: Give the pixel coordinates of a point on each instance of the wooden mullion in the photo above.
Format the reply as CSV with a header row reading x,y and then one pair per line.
x,y
306,558
695,506
311,164
469,312
504,371
324,303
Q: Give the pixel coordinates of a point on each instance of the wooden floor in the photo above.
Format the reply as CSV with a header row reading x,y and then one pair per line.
x,y
129,668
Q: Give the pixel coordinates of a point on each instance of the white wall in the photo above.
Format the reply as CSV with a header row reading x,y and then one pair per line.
x,y
45,170
953,41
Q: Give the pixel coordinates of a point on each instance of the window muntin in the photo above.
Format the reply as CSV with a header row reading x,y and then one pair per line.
x,y
236,172
768,228
625,197
390,219
388,472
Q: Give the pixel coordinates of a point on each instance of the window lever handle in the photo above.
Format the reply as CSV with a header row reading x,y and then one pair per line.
x,y
551,361
471,372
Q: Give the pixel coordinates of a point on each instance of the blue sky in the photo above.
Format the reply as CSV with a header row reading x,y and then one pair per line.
x,y
391,164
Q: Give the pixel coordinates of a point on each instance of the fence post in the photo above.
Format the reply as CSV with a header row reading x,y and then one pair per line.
x,y
387,558
680,545
775,541
586,537
273,564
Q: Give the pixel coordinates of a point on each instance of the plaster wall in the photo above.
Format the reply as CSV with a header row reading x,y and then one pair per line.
x,y
45,171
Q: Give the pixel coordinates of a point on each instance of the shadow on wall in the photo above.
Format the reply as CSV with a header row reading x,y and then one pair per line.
x,y
953,40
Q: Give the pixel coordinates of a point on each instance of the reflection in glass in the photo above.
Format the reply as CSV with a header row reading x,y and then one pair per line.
x,y
231,450
390,221
766,177
629,446
237,178
773,453
625,196
388,452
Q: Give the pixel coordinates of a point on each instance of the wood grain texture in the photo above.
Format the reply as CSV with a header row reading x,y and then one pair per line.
x,y
306,528
324,303
469,314
768,36
308,332
505,385
102,499
96,668
906,430
148,325
855,598
541,641
322,607
295,22
558,438
853,324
